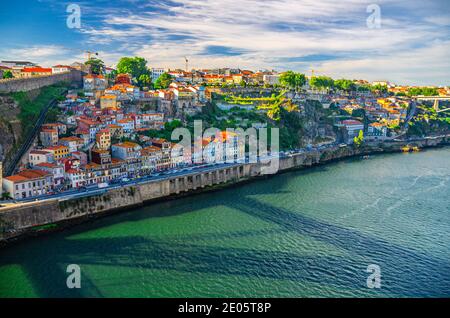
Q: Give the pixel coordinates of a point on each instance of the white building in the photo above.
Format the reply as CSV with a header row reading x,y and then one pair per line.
x,y
57,171
126,150
156,72
127,125
377,131
226,148
76,178
28,183
58,69
72,142
94,82
36,157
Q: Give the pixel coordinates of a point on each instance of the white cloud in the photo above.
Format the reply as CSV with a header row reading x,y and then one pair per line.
x,y
275,34
424,66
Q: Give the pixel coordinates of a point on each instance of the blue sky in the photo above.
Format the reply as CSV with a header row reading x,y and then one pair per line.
x,y
412,46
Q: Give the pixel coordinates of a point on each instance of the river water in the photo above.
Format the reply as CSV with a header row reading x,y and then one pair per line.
x,y
299,234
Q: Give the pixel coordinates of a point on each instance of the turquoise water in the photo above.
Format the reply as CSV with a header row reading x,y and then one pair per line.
x,y
299,234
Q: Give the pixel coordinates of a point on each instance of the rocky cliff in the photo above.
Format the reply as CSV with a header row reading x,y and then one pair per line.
x,y
11,130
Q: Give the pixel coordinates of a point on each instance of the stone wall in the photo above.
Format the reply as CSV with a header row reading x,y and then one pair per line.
x,y
28,84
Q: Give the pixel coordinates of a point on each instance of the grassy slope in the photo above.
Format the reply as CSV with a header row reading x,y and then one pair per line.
x,y
31,108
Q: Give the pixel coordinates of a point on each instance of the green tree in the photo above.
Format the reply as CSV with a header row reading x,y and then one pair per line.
x,y
363,88
170,126
321,82
136,67
163,81
96,66
8,74
358,141
144,80
112,76
359,112
425,91
378,88
292,79
345,85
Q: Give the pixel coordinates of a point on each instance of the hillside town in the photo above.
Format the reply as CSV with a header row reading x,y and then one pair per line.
x,y
110,130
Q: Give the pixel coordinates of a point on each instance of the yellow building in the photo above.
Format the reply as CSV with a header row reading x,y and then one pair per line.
x,y
116,131
108,101
58,152
103,139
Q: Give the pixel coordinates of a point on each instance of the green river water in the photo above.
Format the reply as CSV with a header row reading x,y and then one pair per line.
x,y
298,234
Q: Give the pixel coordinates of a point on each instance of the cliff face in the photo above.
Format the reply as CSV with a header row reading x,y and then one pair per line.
x,y
316,128
11,130
10,127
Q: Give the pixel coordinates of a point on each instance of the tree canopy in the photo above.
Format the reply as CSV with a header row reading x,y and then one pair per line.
x,y
425,91
345,85
96,66
292,79
163,81
137,68
321,82
8,74
358,141
379,88
144,80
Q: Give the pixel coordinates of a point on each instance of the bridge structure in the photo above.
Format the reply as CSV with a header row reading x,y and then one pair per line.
x,y
436,100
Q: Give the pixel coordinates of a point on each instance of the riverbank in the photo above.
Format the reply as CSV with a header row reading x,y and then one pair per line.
x,y
30,219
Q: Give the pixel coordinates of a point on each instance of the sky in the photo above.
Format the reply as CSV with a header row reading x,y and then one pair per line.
x,y
410,44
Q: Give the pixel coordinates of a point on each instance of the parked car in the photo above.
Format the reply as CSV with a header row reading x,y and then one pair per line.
x,y
103,185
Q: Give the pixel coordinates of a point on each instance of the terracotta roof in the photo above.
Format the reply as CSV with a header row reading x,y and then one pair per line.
x,y
351,122
47,165
94,76
49,130
127,144
57,147
72,171
109,97
67,66
71,138
39,152
36,70
16,178
28,175
151,149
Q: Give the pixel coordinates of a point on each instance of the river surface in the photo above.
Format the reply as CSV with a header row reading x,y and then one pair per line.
x,y
309,233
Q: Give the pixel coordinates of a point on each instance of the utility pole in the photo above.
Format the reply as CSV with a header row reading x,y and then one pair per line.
x,y
89,53
187,63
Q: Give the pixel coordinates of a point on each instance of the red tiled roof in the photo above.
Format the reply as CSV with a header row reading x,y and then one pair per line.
x,y
26,175
39,152
16,178
47,165
351,122
37,70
